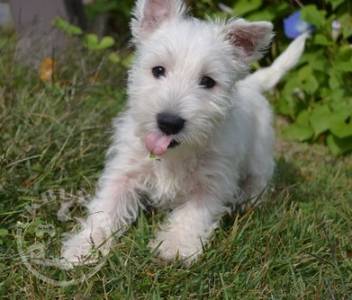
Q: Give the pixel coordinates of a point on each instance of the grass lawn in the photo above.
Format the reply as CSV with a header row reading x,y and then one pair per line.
x,y
53,137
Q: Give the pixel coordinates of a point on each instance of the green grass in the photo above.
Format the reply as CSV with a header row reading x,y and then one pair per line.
x,y
298,245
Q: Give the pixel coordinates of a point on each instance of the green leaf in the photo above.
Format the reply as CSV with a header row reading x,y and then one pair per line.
x,y
339,146
334,96
333,145
91,41
335,79
343,106
303,118
284,106
344,67
106,42
344,52
293,97
346,21
343,59
341,124
321,40
314,16
272,13
298,132
301,130
243,7
114,58
265,15
319,119
317,60
335,3
308,81
66,27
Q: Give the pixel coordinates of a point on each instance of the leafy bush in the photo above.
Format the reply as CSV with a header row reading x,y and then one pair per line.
x,y
316,98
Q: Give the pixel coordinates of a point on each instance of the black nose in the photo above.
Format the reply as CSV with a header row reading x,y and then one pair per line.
x,y
170,123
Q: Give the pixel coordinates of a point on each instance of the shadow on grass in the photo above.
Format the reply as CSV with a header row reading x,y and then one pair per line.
x,y
286,176
285,185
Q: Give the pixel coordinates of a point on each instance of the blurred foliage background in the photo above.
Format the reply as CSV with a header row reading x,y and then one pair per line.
x,y
315,99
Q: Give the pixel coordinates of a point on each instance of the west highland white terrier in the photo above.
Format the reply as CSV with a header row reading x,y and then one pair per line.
x,y
197,135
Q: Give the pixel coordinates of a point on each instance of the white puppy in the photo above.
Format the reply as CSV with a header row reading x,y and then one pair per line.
x,y
207,125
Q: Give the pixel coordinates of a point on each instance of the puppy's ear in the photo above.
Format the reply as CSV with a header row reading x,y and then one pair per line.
x,y
250,39
148,15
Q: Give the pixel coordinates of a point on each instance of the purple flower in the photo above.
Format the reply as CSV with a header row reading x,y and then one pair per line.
x,y
336,29
295,26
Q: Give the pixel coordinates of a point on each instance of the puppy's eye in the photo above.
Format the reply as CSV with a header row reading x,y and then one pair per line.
x,y
207,82
158,71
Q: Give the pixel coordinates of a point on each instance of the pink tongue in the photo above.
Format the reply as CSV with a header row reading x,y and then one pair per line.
x,y
157,143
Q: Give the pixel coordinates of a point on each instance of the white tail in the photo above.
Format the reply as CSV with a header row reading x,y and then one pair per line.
x,y
265,79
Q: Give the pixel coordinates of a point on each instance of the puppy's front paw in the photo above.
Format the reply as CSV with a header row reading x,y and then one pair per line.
x,y
84,248
170,246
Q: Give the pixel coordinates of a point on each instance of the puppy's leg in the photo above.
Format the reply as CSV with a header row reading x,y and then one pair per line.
x,y
254,188
114,207
260,171
188,228
261,164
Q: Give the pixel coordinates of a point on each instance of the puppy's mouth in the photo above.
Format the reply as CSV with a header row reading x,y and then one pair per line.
x,y
173,144
158,143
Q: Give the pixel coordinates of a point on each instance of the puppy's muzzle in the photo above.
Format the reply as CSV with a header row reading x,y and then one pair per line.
x,y
170,123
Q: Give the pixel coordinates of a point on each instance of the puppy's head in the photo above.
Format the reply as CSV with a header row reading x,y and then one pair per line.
x,y
182,80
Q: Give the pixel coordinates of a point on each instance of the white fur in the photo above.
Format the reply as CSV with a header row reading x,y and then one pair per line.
x,y
265,79
226,148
